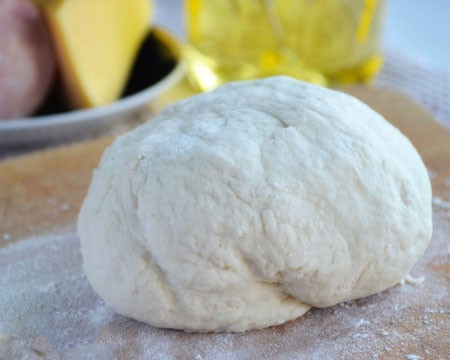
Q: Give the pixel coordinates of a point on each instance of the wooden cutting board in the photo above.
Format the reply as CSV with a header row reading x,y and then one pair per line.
x,y
43,191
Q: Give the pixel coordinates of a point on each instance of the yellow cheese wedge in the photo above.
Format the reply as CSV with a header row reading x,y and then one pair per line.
x,y
96,42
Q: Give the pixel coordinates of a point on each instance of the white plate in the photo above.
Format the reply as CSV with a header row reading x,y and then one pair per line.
x,y
74,124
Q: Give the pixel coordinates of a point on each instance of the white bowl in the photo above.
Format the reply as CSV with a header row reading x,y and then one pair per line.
x,y
75,124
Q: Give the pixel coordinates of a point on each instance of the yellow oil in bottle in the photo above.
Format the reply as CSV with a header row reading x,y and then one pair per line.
x,y
321,41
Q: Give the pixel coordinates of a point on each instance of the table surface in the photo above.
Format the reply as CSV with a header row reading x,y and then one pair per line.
x,y
48,308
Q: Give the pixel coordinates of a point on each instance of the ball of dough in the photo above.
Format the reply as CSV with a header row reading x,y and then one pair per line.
x,y
242,208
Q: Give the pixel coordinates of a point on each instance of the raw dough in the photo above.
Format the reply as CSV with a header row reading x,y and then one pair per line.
x,y
242,208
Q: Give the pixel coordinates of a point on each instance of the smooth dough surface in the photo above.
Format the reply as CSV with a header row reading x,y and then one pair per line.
x,y
242,208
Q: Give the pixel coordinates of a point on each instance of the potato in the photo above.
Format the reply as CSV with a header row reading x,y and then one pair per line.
x,y
27,63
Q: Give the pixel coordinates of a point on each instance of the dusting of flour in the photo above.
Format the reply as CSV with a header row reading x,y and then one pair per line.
x,y
49,311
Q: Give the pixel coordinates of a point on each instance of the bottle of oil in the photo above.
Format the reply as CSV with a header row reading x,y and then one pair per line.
x,y
321,41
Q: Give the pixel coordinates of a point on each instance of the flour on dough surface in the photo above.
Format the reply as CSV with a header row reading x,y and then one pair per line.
x,y
242,208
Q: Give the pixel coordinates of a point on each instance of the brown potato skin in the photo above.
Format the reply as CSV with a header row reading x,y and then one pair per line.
x,y
27,62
